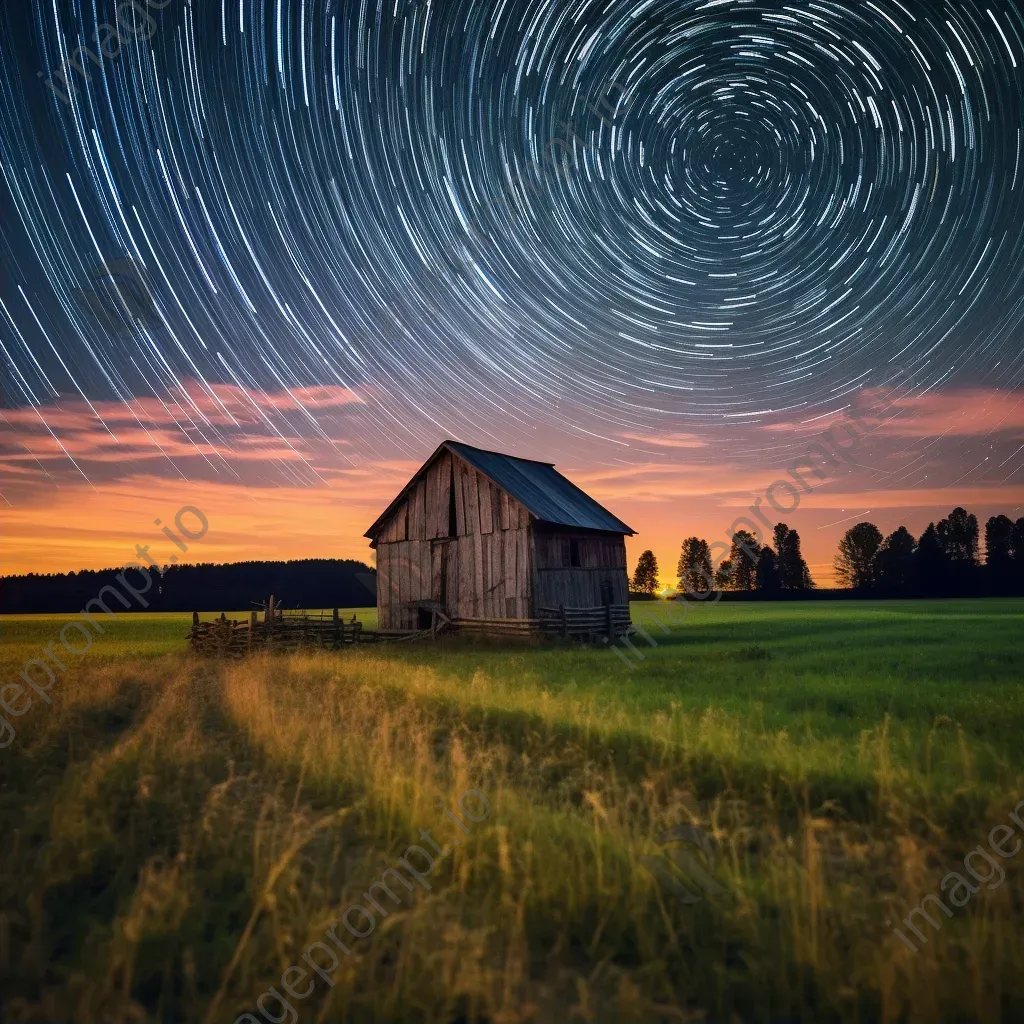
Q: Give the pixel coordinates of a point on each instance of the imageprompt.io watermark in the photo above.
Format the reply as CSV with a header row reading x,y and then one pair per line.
x,y
193,528
679,869
134,24
360,922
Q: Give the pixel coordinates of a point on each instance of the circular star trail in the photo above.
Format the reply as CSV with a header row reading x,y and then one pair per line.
x,y
582,212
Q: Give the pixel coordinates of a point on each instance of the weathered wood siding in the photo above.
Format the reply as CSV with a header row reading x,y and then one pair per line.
x,y
601,574
482,570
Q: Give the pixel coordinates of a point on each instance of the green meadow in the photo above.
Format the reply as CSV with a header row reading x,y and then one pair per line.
x,y
178,832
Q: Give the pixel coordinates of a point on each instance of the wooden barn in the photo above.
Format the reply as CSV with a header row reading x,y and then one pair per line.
x,y
481,540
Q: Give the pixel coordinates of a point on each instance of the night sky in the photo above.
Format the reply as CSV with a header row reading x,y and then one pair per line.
x,y
662,243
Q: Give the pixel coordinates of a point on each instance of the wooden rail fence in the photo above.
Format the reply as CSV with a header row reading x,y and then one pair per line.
x,y
290,631
604,620
278,630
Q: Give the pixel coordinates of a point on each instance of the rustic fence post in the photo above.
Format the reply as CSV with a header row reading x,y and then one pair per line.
x,y
565,623
608,620
336,624
252,629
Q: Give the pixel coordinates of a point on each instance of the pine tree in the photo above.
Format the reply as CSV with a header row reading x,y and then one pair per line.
x,y
723,577
695,573
931,567
743,557
855,563
767,572
792,569
894,563
645,578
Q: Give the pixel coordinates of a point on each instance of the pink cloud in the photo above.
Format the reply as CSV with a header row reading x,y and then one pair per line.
x,y
975,412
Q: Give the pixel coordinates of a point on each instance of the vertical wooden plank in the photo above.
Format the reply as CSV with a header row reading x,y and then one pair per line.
x,y
478,569
466,577
430,529
508,544
412,554
429,514
396,585
444,468
418,512
426,588
483,572
473,501
383,587
392,591
441,496
497,587
402,522
486,597
484,490
415,574
410,529
412,574
522,572
504,510
405,589
452,577
497,573
436,554
460,502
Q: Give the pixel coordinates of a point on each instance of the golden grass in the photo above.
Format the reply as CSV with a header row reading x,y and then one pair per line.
x,y
185,830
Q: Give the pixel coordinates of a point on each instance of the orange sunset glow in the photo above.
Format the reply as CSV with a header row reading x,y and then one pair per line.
x,y
283,475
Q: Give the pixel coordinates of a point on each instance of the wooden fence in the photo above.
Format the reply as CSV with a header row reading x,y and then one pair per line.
x,y
604,620
277,631
290,631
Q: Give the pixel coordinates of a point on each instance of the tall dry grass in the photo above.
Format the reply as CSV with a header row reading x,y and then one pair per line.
x,y
186,830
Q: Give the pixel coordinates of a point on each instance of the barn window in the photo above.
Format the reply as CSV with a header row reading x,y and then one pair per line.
x,y
574,554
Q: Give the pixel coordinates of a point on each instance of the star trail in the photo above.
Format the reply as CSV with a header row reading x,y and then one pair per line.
x,y
575,220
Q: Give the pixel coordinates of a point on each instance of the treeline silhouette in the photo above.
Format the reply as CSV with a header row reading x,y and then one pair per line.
x,y
304,583
943,562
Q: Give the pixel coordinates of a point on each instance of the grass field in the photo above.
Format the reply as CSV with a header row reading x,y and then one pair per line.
x,y
178,832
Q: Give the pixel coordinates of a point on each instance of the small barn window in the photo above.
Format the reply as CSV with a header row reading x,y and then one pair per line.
x,y
574,554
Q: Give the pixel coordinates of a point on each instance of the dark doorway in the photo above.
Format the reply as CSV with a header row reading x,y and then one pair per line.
x,y
574,554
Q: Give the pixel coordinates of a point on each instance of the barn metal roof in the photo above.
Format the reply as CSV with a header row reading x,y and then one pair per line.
x,y
548,495
542,489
